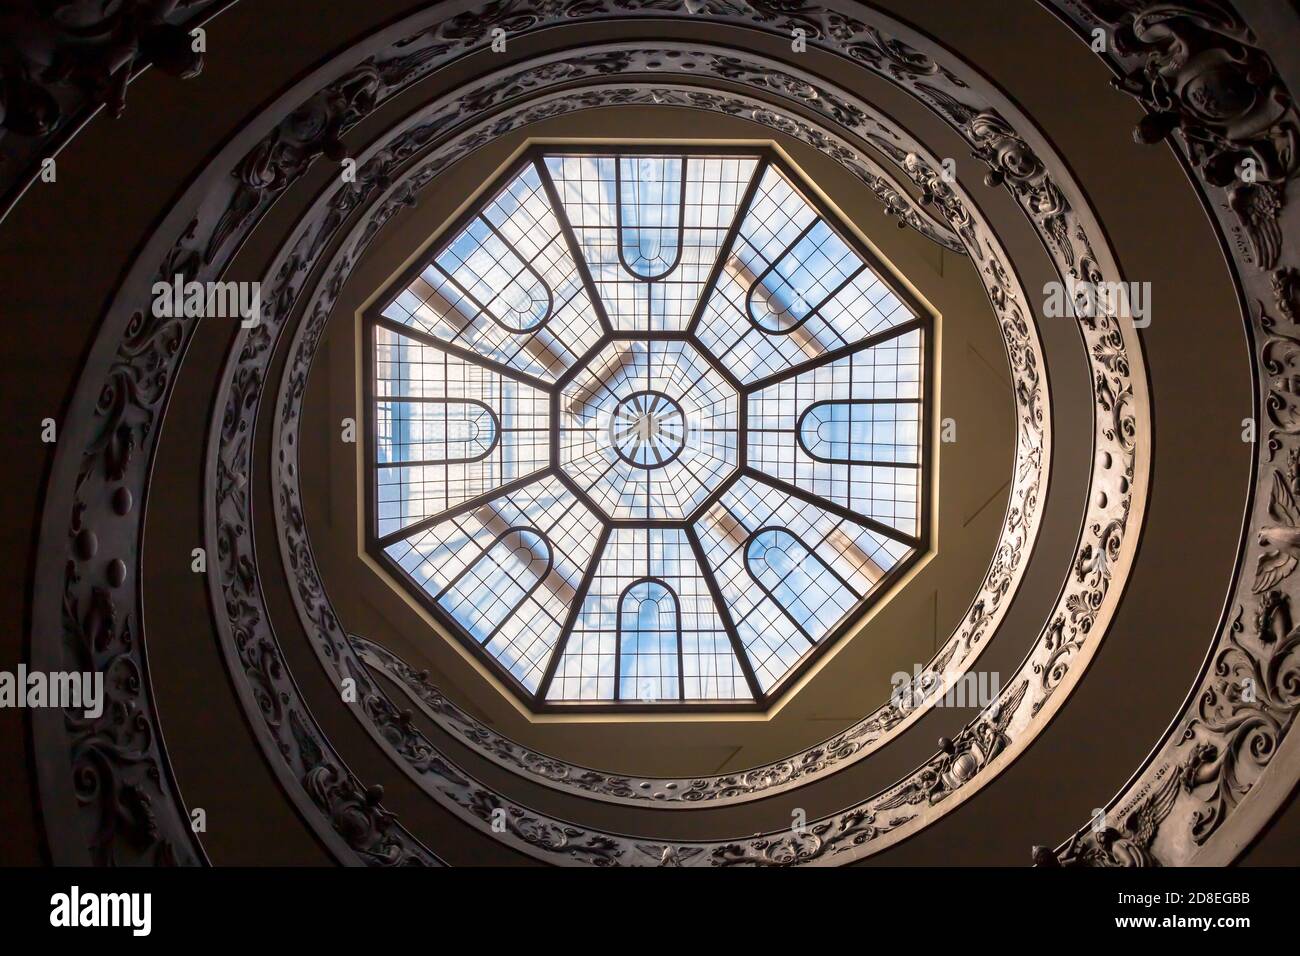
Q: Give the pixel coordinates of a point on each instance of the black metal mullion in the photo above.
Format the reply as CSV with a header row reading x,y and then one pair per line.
x,y
464,354
858,401
715,495
465,506
618,653
728,376
831,507
618,233
742,429
855,462
831,295
481,307
728,243
575,249
525,265
553,440
446,465
884,335
579,597
789,247
457,400
681,659
427,462
724,615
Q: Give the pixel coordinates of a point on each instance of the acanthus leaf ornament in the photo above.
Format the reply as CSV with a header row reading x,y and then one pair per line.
x,y
842,837
1203,75
847,833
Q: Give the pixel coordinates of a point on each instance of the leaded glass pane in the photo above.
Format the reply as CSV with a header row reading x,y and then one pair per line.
x,y
648,427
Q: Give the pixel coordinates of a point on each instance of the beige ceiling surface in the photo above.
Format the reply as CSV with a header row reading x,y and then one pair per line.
x,y
972,479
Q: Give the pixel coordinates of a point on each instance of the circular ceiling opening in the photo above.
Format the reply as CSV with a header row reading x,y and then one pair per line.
x,y
647,428
671,419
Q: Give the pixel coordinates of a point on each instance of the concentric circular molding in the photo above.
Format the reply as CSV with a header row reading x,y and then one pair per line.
x,y
800,768
1020,523
996,737
547,838
647,429
1050,682
986,741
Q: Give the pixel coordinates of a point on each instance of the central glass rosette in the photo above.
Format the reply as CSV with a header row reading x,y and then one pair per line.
x,y
648,428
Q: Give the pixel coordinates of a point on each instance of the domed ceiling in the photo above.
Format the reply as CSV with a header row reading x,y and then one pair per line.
x,y
668,433
648,427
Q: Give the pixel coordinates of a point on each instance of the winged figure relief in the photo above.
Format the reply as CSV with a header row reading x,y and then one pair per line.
x,y
960,761
669,855
1257,209
1133,847
1282,540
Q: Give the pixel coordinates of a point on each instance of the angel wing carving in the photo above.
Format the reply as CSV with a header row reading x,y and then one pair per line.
x,y
1282,540
1257,209
1143,822
667,854
1008,708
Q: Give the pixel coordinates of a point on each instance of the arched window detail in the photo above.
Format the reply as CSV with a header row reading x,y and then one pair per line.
x,y
651,210
436,431
812,269
801,584
494,586
648,663
851,431
646,427
496,279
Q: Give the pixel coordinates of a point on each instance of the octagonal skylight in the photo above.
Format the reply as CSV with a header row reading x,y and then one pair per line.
x,y
647,428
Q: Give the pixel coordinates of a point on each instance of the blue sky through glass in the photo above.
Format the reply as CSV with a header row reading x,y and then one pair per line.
x,y
654,441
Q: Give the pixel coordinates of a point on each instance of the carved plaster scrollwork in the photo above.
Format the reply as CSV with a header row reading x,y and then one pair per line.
x,y
892,717
1198,71
1212,92
120,436
111,799
116,783
851,833
879,46
535,834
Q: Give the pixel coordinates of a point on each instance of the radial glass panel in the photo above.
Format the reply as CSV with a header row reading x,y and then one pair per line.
x,y
648,427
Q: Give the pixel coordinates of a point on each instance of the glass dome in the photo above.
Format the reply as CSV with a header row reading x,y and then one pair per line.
x,y
647,427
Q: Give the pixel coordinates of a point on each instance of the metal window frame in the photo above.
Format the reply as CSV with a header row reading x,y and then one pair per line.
x,y
483,555
814,310
677,628
748,561
923,322
447,459
798,431
681,224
